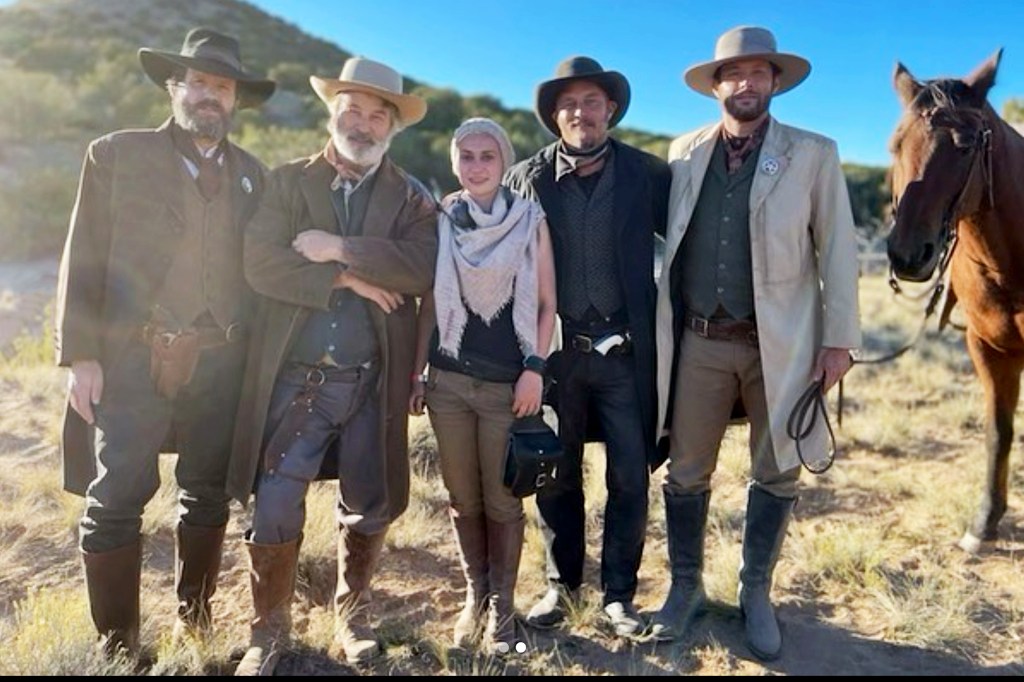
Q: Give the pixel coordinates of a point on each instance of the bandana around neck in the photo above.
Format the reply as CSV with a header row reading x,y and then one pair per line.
x,y
569,160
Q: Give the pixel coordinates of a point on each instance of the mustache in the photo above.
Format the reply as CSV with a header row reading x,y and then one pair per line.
x,y
361,138
208,104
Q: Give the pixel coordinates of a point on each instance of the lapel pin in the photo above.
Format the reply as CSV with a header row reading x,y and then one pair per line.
x,y
246,184
770,166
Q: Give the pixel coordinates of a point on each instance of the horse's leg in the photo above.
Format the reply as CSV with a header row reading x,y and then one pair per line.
x,y
1000,376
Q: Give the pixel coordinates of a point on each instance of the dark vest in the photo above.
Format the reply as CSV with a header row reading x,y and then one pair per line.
x,y
715,266
344,332
206,270
588,275
487,352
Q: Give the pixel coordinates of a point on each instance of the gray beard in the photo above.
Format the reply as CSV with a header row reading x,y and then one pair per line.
x,y
206,128
361,156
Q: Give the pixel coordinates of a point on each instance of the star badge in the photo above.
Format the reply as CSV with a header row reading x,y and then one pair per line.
x,y
770,166
246,184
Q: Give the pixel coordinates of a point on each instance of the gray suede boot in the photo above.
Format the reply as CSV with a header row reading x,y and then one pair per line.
x,y
686,517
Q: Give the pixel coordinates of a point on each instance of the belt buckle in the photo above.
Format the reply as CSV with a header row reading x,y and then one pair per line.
x,y
233,332
315,377
583,344
701,326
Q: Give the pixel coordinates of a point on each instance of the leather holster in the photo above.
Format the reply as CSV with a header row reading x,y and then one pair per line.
x,y
173,358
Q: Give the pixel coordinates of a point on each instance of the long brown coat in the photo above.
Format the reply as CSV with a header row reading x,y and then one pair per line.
x,y
396,251
125,229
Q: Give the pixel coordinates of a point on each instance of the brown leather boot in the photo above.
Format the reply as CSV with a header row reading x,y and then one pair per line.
x,y
471,536
504,546
357,559
197,563
112,580
272,570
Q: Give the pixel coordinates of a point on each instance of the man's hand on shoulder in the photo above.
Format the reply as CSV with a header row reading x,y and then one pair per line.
x,y
319,246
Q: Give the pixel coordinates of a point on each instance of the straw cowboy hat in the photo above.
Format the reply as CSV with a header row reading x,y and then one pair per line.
x,y
748,42
573,69
211,52
365,75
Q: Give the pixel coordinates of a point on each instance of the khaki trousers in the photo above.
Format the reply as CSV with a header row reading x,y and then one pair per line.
x,y
471,419
710,377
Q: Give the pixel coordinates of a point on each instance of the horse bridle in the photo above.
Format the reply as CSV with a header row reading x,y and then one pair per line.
x,y
982,151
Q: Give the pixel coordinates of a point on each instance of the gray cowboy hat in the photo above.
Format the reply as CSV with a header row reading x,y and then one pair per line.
x,y
748,42
578,68
211,52
365,75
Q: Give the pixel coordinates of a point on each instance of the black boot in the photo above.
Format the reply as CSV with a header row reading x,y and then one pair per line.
x,y
767,519
686,517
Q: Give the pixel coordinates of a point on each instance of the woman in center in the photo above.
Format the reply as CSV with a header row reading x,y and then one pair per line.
x,y
486,330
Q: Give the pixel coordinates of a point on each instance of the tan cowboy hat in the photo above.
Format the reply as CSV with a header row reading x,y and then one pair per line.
x,y
748,42
574,69
365,75
211,52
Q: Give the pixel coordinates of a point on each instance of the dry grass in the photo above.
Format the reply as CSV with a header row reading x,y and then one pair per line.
x,y
869,581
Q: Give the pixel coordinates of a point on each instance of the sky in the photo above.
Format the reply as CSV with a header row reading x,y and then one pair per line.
x,y
505,48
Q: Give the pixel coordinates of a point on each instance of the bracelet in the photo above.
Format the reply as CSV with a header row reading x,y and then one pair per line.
x,y
535,363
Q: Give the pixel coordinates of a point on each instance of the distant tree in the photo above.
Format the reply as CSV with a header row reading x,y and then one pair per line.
x,y
1013,110
869,196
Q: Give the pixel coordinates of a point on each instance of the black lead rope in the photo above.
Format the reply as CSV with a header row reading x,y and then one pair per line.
x,y
802,420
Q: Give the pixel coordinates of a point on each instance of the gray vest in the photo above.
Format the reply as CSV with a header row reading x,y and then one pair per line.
x,y
588,271
206,273
714,258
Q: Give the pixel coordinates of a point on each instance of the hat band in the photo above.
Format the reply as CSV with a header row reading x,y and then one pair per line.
x,y
215,54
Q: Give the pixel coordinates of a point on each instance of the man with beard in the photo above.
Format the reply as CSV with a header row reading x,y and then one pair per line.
x,y
152,306
342,243
604,201
757,299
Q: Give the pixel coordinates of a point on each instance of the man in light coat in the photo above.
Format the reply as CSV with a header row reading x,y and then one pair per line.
x,y
757,299
341,243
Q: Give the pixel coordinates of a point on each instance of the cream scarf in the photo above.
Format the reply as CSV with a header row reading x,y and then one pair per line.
x,y
482,269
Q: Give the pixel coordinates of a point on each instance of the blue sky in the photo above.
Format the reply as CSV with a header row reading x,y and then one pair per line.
x,y
506,48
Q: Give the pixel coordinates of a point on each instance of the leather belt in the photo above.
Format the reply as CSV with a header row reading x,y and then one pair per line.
x,y
209,337
742,331
616,343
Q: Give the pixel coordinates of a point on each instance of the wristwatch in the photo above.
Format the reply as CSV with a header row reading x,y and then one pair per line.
x,y
535,363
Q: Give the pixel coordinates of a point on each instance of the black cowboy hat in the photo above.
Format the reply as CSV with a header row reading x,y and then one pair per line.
x,y
211,52
578,68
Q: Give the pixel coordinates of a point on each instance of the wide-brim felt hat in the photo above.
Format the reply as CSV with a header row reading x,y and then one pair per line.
x,y
748,42
211,52
359,74
576,69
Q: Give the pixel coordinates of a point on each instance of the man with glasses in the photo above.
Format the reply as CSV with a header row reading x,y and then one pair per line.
x,y
152,308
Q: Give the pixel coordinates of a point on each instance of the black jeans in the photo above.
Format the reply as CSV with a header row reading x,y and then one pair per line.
x,y
606,387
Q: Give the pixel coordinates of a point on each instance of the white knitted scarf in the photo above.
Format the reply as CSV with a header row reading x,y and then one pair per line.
x,y
482,269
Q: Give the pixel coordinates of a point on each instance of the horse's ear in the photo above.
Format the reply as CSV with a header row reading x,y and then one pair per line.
x,y
906,85
983,78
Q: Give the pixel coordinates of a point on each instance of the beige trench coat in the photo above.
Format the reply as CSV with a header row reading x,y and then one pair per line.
x,y
804,259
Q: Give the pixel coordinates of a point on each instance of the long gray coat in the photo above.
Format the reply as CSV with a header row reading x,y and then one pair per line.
x,y
396,251
804,259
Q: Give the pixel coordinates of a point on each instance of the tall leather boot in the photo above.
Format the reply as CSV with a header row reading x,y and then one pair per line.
x,y
357,559
112,581
767,519
197,563
686,518
471,536
272,570
504,547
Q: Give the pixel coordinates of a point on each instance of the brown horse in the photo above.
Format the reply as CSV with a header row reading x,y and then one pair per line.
x,y
958,187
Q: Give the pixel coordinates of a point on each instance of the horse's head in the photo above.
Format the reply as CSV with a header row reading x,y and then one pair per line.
x,y
941,150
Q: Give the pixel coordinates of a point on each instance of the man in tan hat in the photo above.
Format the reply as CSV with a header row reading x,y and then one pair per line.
x,y
151,309
342,243
757,299
604,201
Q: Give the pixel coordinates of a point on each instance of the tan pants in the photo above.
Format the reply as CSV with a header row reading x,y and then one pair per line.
x,y
711,375
471,419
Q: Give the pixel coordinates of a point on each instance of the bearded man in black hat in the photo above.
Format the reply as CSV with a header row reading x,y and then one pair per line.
x,y
757,299
605,201
151,310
